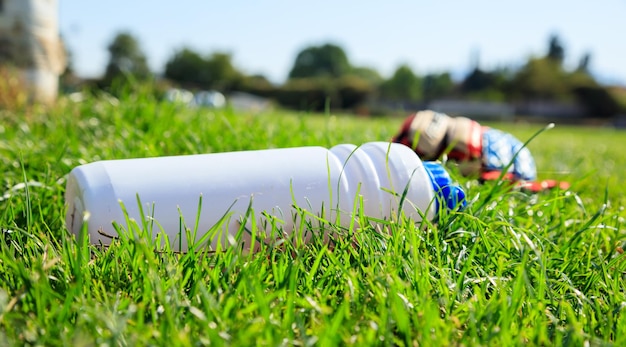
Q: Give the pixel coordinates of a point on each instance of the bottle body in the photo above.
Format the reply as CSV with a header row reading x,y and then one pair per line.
x,y
273,184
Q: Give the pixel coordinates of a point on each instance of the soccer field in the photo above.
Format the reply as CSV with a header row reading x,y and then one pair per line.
x,y
511,269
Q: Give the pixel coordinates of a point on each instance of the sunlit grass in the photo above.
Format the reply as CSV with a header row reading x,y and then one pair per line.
x,y
511,269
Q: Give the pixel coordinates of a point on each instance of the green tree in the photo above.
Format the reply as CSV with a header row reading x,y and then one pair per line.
x,y
319,61
486,85
478,80
191,69
437,85
556,51
186,67
585,61
598,101
368,74
126,59
258,85
403,85
541,78
223,74
581,77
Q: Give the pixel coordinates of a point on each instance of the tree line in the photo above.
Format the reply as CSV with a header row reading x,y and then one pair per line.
x,y
323,76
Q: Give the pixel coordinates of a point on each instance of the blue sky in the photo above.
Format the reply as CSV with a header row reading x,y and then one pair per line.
x,y
430,36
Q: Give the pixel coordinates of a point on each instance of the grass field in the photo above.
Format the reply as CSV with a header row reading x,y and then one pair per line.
x,y
512,269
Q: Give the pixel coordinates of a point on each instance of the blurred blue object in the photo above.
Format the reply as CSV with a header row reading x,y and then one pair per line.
x,y
499,148
449,193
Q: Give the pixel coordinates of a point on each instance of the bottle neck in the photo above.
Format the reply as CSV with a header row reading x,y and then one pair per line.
x,y
389,177
448,193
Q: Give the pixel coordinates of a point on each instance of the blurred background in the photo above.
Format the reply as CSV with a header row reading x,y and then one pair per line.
x,y
558,60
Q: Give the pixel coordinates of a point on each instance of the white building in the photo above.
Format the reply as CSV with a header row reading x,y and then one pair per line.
x,y
30,41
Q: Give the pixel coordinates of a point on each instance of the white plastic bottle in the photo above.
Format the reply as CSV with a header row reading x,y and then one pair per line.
x,y
326,183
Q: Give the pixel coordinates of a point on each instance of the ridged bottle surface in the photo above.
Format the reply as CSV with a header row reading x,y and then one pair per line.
x,y
327,183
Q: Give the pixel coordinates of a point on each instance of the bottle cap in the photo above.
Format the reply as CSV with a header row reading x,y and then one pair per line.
x,y
448,192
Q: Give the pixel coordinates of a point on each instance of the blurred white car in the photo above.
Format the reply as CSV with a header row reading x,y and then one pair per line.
x,y
181,96
213,99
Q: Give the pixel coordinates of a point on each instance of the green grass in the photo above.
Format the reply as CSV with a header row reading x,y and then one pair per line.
x,y
512,269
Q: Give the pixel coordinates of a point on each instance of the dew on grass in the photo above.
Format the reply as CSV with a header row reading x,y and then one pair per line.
x,y
93,122
373,325
24,128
